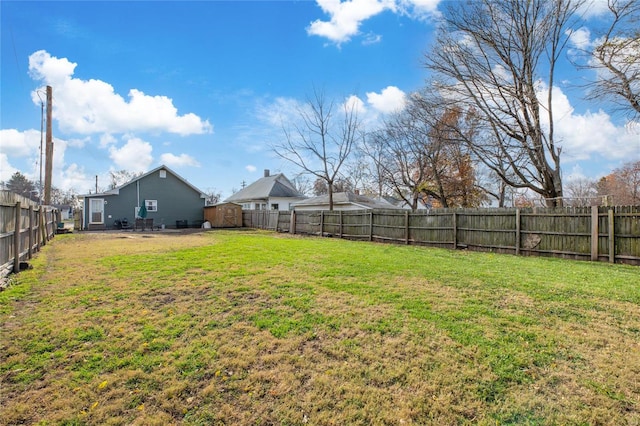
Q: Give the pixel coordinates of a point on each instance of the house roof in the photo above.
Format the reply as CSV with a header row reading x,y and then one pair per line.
x,y
267,187
343,198
116,191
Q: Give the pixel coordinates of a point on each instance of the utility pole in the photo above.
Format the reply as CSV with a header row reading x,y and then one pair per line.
x,y
49,150
96,184
40,187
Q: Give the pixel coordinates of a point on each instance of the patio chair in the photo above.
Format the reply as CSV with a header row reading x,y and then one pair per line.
x,y
124,224
139,224
148,223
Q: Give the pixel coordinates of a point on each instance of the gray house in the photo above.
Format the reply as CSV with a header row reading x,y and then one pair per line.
x,y
271,192
343,201
169,200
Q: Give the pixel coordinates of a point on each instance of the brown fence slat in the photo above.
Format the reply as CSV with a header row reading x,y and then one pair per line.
x,y
22,222
596,233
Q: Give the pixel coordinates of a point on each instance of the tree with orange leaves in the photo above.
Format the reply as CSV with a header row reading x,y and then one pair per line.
x,y
622,186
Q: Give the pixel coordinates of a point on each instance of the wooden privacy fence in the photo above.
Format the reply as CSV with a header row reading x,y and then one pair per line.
x,y
24,228
588,233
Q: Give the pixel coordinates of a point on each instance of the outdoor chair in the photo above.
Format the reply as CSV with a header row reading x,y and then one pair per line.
x,y
139,224
148,224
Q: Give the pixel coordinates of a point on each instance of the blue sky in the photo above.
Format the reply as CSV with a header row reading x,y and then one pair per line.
x,y
204,86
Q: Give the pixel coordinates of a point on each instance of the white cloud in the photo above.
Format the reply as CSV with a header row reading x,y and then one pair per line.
x,y
54,71
354,104
134,156
421,9
92,106
280,112
346,17
371,39
179,160
6,169
251,169
593,8
106,140
580,38
16,144
576,174
20,144
73,177
389,100
592,134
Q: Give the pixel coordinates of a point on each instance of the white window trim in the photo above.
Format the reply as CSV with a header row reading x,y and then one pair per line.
x,y
151,205
99,201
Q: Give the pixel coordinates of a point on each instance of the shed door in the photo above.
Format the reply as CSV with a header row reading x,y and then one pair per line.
x,y
96,210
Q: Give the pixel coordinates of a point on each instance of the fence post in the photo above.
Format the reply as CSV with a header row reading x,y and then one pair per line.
x,y
594,233
612,238
30,251
455,231
406,227
16,239
518,232
322,223
371,225
43,227
340,224
292,222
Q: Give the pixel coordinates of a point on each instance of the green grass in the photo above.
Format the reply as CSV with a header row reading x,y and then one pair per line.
x,y
261,328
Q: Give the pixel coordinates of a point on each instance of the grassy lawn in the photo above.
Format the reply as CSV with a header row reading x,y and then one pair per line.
x,y
247,327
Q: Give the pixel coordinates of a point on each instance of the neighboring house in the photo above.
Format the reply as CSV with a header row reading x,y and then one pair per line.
x,y
170,201
343,201
267,193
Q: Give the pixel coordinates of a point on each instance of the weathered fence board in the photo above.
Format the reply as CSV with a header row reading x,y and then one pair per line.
x,y
24,228
597,233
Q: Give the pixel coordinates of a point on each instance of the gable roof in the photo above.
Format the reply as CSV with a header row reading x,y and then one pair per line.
x,y
343,198
267,187
116,191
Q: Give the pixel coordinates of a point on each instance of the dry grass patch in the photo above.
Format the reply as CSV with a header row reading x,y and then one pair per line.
x,y
260,328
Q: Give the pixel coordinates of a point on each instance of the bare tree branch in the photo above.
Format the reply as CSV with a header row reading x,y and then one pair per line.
x,y
497,57
320,142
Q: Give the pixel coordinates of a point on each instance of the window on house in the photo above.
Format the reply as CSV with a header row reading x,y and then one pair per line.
x,y
274,206
163,174
152,205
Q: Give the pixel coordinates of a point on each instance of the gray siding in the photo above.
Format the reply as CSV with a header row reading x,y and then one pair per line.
x,y
176,201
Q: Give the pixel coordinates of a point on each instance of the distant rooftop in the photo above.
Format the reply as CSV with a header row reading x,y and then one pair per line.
x,y
269,186
340,198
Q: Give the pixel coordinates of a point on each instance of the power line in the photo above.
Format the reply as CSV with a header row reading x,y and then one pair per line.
x,y
15,54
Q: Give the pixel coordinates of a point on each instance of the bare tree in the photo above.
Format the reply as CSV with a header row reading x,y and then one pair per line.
x,y
498,58
616,58
402,151
622,186
321,141
302,184
374,149
213,196
356,172
581,192
120,177
320,186
420,159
